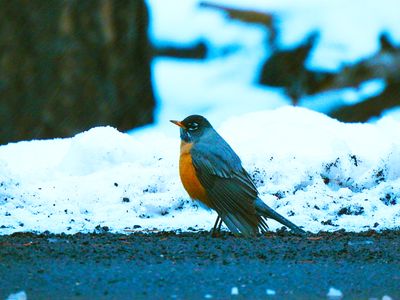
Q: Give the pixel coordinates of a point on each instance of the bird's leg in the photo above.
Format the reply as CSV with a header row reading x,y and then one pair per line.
x,y
214,230
217,227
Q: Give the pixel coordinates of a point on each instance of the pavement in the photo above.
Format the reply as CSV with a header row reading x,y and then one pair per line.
x,y
168,265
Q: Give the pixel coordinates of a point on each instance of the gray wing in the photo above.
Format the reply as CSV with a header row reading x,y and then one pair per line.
x,y
229,187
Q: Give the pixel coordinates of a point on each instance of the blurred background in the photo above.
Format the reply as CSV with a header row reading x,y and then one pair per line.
x,y
68,65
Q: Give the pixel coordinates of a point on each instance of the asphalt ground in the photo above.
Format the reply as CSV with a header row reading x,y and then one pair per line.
x,y
194,265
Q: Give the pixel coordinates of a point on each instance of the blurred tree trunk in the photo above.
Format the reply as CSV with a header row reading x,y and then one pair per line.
x,y
66,66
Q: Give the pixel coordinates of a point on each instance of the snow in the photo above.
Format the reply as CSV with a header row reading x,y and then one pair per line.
x,y
225,82
234,291
208,90
348,31
393,113
328,101
18,296
334,293
337,26
218,85
314,170
270,292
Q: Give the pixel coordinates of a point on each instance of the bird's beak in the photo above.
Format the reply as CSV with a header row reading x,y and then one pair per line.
x,y
178,123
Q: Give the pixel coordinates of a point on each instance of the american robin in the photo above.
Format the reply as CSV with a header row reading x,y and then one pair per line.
x,y
212,173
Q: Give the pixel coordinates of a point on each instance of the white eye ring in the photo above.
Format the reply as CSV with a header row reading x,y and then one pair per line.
x,y
193,126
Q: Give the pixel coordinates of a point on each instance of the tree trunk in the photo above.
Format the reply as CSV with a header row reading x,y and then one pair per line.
x,y
66,66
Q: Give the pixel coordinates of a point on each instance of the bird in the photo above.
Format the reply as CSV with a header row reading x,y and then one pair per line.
x,y
212,173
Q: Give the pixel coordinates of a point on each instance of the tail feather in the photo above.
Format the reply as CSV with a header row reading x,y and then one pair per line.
x,y
237,224
267,212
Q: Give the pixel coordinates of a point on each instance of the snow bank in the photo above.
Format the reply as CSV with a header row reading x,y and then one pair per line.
x,y
318,172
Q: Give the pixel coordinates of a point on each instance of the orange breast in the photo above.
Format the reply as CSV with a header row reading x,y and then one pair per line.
x,y
188,175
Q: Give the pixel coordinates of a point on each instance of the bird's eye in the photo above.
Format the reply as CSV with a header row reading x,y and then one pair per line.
x,y
193,126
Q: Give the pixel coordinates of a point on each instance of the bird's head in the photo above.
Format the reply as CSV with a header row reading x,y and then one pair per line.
x,y
193,127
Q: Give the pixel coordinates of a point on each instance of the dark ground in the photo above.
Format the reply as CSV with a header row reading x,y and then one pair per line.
x,y
194,265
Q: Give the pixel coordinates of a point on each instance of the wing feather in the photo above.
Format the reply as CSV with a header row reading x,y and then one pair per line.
x,y
229,187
